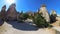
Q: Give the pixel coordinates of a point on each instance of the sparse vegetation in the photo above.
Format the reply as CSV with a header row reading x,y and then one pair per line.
x,y
40,21
22,17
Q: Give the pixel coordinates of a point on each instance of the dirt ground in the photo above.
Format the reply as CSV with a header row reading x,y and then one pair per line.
x,y
26,28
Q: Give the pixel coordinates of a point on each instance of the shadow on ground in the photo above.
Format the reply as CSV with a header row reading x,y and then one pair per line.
x,y
1,22
23,26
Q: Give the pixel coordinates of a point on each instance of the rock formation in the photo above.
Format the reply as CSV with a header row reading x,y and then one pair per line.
x,y
2,15
53,16
3,12
11,12
30,13
44,13
54,13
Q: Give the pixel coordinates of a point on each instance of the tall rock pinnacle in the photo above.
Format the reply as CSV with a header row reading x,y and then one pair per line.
x,y
3,12
11,12
44,12
53,16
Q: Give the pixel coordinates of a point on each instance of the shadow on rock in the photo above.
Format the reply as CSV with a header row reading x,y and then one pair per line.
x,y
23,26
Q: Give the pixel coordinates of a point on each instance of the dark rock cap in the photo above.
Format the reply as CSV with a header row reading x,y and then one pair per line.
x,y
4,7
43,5
13,5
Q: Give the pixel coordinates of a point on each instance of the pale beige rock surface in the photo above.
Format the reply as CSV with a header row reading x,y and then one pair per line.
x,y
44,12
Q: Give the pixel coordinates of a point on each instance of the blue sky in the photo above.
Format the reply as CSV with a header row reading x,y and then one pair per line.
x,y
34,5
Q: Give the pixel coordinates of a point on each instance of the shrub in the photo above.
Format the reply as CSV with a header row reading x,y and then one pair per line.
x,y
22,17
25,16
40,21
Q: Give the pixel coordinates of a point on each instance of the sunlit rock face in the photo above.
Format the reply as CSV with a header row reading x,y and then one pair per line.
x,y
11,12
53,12
44,12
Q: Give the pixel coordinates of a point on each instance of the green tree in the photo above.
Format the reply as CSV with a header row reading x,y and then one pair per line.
x,y
22,17
40,21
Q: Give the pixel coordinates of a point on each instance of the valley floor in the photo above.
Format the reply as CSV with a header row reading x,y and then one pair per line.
x,y
26,28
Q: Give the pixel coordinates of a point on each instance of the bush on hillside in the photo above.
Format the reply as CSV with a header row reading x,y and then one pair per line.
x,y
22,17
40,21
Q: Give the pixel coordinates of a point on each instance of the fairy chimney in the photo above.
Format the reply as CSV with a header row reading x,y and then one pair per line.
x,y
11,12
3,11
53,13
44,12
53,16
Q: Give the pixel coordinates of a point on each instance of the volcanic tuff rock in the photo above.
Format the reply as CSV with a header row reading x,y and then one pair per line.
x,y
3,12
2,15
53,16
11,12
44,12
53,12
